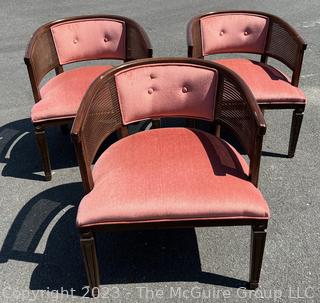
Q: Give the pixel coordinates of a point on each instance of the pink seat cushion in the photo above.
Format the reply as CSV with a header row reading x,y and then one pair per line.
x,y
170,174
62,95
268,85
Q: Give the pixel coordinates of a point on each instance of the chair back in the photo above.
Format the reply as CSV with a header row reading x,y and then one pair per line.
x,y
246,32
83,38
166,90
233,32
165,87
88,39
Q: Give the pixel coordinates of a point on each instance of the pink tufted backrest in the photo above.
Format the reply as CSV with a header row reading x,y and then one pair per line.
x,y
165,89
88,39
233,32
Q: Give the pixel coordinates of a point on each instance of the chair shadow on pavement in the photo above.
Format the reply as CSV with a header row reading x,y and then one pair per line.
x,y
19,150
44,233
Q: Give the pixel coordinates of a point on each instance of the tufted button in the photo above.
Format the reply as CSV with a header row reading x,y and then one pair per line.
x,y
105,39
184,89
221,33
246,33
75,41
150,90
152,76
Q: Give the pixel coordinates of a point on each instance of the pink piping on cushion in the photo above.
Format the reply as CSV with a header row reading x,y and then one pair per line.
x,y
233,32
164,90
89,39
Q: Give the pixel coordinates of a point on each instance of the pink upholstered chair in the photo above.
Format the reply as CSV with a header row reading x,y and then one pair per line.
x,y
70,40
169,177
262,34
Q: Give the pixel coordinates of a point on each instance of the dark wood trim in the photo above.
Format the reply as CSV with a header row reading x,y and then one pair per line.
x,y
54,122
297,71
89,252
255,161
258,239
171,224
34,85
123,132
44,151
84,164
194,39
297,117
282,105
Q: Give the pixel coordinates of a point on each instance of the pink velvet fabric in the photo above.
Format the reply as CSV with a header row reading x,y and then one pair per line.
x,y
170,174
154,91
267,83
233,32
89,39
61,96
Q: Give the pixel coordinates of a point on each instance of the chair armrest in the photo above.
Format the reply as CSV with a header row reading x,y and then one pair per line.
x,y
194,38
138,42
285,45
189,38
98,116
238,110
40,58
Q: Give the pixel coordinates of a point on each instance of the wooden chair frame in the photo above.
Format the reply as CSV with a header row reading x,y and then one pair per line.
x,y
102,123
41,58
278,30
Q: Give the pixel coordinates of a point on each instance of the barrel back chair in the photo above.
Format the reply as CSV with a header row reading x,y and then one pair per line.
x,y
70,40
262,34
168,177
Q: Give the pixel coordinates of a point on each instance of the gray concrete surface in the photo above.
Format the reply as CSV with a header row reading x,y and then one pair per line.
x,y
40,255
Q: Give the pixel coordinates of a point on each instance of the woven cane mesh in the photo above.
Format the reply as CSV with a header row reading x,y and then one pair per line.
x,y
102,119
233,110
282,45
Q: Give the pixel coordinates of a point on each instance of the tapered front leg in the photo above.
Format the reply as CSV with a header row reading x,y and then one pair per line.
x,y
297,117
44,151
217,130
88,248
258,238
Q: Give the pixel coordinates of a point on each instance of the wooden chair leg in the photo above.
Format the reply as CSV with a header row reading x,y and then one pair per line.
x,y
297,117
44,151
122,132
217,130
88,248
258,238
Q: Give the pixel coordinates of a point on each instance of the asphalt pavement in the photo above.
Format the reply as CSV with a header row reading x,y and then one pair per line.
x,y
40,257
